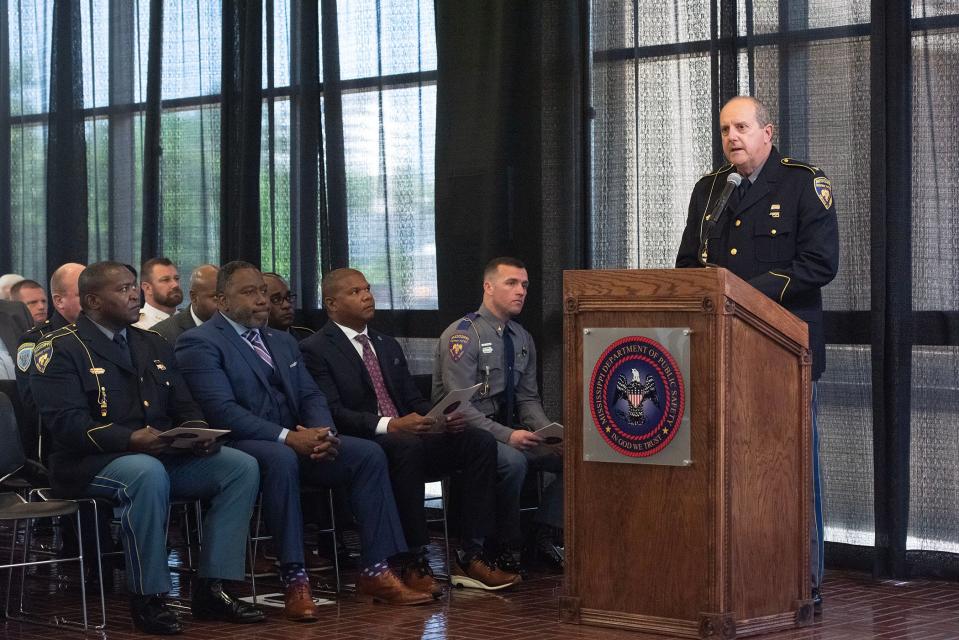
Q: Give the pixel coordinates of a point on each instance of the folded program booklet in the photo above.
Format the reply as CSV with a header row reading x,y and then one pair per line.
x,y
184,437
553,433
453,401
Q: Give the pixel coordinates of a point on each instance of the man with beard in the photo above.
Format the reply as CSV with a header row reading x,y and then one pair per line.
x,y
282,302
202,304
107,392
160,282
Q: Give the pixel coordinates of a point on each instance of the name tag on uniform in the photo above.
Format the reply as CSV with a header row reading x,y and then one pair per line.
x,y
487,347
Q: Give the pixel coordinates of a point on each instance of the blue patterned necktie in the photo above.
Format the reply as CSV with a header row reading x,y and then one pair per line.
x,y
256,341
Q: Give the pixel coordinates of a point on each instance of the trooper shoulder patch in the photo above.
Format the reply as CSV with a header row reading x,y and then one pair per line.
x,y
24,356
42,354
458,342
824,190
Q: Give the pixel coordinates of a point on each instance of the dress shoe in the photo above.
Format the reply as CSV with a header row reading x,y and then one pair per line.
x,y
152,615
479,571
212,602
388,589
816,602
298,602
417,574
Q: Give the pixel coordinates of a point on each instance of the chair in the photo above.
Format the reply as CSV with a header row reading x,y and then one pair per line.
x,y
430,503
15,508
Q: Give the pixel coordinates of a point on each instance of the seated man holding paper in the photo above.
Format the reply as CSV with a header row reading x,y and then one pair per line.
x,y
107,391
372,395
491,348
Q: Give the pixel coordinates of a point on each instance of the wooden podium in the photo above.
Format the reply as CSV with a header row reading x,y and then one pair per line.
x,y
718,546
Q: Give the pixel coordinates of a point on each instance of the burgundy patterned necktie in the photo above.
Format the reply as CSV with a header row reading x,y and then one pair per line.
x,y
387,408
256,341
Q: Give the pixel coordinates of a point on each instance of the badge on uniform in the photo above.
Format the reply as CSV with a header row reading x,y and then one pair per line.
x,y
823,190
24,355
487,347
458,342
42,354
774,210
159,365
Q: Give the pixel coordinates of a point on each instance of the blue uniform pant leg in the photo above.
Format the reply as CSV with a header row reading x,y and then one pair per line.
x,y
280,485
139,487
817,530
229,480
362,465
511,467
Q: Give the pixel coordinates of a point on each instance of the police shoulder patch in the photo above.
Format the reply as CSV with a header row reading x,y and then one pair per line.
x,y
25,355
42,354
457,346
823,190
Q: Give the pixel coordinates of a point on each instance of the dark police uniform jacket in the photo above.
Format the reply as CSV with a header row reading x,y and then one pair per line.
x,y
28,341
783,238
91,399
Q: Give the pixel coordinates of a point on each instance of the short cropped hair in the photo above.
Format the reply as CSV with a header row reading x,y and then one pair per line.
x,y
225,274
95,277
23,284
146,270
506,261
762,112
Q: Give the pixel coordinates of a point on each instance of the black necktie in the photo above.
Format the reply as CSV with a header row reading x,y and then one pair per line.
x,y
741,191
510,388
121,342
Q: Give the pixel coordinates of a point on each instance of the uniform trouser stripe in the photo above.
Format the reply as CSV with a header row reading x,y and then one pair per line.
x,y
117,491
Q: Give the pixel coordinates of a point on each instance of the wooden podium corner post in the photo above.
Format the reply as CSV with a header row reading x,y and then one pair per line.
x,y
688,454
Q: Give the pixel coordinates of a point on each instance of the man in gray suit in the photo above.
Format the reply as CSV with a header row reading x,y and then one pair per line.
x,y
201,308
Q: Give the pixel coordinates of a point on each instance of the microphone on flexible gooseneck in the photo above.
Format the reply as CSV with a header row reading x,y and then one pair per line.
x,y
732,181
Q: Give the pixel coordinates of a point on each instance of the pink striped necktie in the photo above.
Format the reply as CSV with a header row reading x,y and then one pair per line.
x,y
256,341
387,408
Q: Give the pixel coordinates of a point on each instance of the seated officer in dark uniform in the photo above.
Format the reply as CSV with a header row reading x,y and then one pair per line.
x,y
778,233
492,348
282,304
106,392
372,395
250,377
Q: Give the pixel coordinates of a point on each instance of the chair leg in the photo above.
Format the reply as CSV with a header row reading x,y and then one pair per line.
x,y
103,599
83,573
13,547
336,555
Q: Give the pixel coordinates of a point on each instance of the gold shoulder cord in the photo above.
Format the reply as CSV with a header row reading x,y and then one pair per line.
x,y
102,391
702,220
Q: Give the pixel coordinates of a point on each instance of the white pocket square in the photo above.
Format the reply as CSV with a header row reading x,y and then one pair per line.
x,y
293,364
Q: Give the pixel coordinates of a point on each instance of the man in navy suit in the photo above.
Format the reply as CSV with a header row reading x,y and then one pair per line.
x,y
372,395
252,379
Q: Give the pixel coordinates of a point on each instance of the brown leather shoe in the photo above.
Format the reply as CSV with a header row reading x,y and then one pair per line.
x,y
298,602
419,575
389,589
478,572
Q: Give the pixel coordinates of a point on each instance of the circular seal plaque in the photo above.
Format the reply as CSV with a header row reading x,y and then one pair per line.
x,y
636,396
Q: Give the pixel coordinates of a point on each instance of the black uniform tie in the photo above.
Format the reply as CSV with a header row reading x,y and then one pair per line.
x,y
124,346
510,388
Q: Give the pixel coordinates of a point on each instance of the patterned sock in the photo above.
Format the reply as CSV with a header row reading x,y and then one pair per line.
x,y
376,569
291,572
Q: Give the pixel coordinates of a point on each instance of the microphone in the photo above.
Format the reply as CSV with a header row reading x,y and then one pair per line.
x,y
732,181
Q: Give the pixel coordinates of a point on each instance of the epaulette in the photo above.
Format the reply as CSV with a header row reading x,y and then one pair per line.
x,y
467,321
43,350
293,326
792,162
726,167
146,330
39,326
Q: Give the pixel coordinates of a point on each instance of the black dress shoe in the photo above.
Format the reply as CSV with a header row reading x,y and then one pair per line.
x,y
816,602
151,615
212,602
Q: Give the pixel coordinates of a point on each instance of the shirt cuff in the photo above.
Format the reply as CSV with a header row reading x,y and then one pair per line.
x,y
382,426
282,436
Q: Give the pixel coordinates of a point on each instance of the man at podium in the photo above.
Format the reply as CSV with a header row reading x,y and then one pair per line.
x,y
777,230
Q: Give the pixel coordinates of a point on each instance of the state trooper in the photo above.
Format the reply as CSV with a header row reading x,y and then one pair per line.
x,y
491,348
778,233
106,391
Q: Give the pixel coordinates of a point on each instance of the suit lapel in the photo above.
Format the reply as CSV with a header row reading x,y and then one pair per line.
x,y
97,341
246,351
380,346
282,364
348,352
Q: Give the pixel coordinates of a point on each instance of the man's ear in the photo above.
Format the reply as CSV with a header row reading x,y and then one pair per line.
x,y
91,301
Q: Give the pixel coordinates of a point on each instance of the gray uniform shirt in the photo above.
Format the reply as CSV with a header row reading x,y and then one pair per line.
x,y
471,351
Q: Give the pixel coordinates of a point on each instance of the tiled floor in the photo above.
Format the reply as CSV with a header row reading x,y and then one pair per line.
x,y
856,607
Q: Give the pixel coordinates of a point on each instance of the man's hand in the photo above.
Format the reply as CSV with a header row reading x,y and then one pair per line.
x,y
410,423
303,440
328,446
454,422
147,440
524,440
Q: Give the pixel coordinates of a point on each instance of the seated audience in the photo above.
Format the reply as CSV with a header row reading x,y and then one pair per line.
x,y
252,379
160,282
202,304
371,393
107,391
282,301
31,293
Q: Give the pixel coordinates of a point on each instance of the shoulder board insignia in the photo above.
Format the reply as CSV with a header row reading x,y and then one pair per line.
x,y
458,342
24,356
824,190
722,169
42,354
467,321
792,162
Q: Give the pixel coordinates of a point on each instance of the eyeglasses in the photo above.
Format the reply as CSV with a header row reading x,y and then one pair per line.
x,y
278,299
